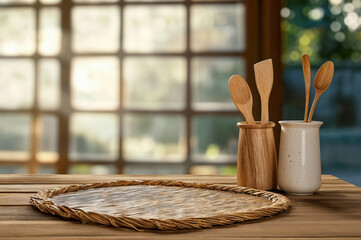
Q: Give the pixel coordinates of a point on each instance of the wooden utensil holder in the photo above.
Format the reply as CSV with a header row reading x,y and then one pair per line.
x,y
257,157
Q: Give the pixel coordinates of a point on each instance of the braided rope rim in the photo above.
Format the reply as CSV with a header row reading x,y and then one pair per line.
x,y
42,201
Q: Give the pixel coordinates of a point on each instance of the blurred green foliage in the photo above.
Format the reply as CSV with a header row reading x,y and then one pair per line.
x,y
324,29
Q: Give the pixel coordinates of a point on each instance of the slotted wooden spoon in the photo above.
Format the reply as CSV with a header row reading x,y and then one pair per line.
x,y
322,81
242,97
263,72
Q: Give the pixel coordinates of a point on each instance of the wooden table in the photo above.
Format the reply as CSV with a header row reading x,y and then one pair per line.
x,y
333,213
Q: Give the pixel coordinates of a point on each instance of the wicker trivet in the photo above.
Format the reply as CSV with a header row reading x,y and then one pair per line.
x,y
162,205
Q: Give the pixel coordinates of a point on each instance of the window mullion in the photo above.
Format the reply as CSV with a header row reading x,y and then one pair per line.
x,y
188,112
32,165
65,108
120,162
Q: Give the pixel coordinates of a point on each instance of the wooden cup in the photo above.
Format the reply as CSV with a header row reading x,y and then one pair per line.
x,y
257,157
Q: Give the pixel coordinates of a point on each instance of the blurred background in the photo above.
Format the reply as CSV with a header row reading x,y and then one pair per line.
x,y
327,30
140,86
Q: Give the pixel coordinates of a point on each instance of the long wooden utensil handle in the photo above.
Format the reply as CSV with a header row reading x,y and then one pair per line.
x,y
315,100
249,117
264,113
306,106
306,66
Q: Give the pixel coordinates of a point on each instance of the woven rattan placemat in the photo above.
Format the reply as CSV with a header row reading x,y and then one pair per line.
x,y
162,205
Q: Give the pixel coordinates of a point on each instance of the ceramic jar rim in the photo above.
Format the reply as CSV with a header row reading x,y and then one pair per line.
x,y
300,123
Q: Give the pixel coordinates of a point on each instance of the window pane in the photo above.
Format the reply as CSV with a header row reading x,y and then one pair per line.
x,y
17,31
154,0
17,83
95,83
210,81
96,29
17,1
154,28
218,27
154,138
215,139
15,136
50,1
44,169
50,32
153,169
12,169
48,139
94,1
213,170
92,169
94,137
204,170
49,84
153,83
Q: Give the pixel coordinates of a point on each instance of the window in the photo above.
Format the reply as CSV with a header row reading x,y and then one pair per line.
x,y
107,86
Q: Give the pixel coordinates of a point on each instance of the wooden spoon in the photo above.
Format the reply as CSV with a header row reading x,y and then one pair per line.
x,y
307,75
241,96
263,72
322,81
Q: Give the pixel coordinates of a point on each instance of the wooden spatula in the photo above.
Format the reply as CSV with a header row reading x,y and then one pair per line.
x,y
241,96
263,72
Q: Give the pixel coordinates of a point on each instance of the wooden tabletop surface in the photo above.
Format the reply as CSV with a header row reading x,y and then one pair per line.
x,y
333,213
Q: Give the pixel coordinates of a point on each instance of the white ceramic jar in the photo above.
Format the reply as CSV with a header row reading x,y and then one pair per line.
x,y
299,166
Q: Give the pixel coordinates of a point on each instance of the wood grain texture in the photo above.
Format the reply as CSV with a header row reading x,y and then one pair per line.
x,y
169,237
65,179
263,72
261,229
257,157
333,213
76,179
33,188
